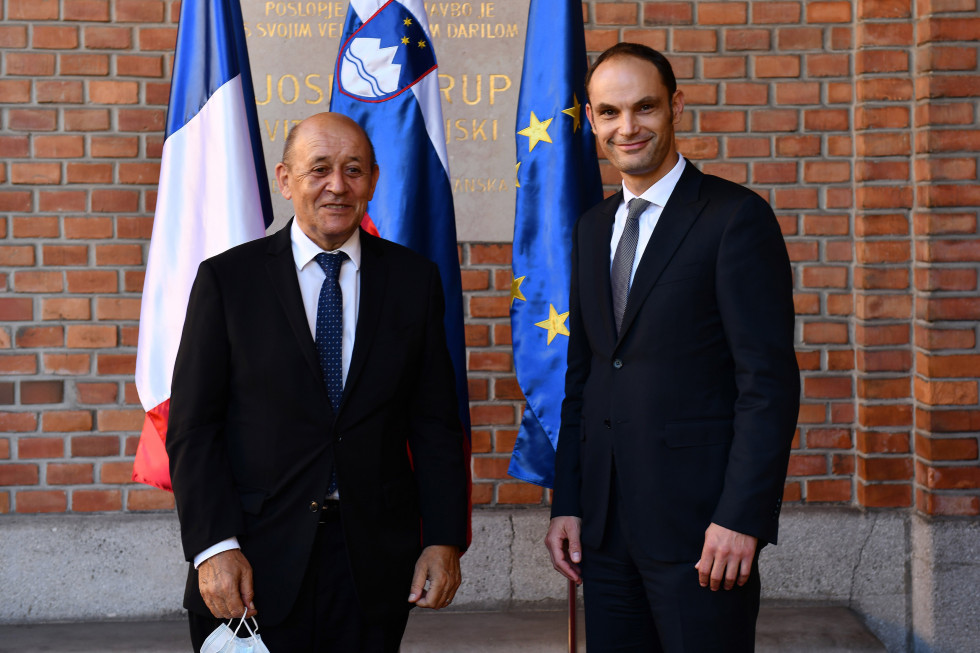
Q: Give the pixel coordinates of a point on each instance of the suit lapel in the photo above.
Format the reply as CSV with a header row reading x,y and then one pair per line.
x,y
373,273
675,221
598,245
282,272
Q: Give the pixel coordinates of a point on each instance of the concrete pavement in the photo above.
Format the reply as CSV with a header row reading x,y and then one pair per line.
x,y
782,628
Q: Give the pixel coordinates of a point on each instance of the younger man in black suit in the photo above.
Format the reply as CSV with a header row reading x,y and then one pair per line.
x,y
682,388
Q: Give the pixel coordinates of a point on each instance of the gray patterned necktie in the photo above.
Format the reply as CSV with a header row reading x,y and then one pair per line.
x,y
622,265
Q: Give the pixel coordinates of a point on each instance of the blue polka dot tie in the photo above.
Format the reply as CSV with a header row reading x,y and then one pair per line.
x,y
329,334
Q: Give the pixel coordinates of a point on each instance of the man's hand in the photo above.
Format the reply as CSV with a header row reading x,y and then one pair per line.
x,y
564,542
726,558
438,564
225,581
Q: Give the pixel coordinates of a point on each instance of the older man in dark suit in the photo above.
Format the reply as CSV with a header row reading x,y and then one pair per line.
x,y
682,388
316,453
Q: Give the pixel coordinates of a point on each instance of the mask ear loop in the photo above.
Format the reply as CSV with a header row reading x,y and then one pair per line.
x,y
242,621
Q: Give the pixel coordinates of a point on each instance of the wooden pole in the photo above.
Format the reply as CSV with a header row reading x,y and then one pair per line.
x,y
572,645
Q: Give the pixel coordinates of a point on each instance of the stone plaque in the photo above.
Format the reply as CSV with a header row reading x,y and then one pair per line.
x,y
480,49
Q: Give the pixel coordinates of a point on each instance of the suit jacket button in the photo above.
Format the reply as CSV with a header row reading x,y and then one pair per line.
x,y
607,423
314,506
617,363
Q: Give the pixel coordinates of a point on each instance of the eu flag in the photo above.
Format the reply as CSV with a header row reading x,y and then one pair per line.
x,y
557,180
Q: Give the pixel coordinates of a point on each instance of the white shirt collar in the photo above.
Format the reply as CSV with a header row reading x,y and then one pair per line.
x,y
305,250
660,192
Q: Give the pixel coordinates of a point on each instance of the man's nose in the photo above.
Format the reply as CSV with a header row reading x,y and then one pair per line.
x,y
627,123
335,182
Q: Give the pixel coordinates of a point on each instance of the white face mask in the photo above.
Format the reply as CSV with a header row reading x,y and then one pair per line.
x,y
225,640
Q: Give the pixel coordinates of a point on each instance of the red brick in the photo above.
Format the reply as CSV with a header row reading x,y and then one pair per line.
x,y
14,474
828,12
115,364
86,10
881,61
32,9
157,38
777,66
67,363
519,493
113,92
141,120
18,422
776,12
132,228
871,307
796,146
61,92
35,501
87,120
793,198
94,446
133,280
40,447
84,64
797,93
668,13
92,281
747,93
823,491
61,146
826,225
491,414
66,421
884,89
108,38
940,504
827,65
121,420
490,254
118,255
774,120
478,389
32,120
476,335
116,473
722,13
741,39
482,493
14,36
504,440
55,37
38,281
944,114
884,496
489,306
792,492
487,467
69,473
694,40
947,478
31,64
30,337
737,172
153,499
16,255
881,279
599,40
883,442
507,389
88,228
885,415
825,333
800,38
883,197
722,121
89,173
502,334
827,387
91,336
774,173
139,11
946,448
65,308
97,393
490,361
826,120
608,13
801,465
698,147
35,173
652,38
12,147
42,392
96,500
16,309
882,225
884,9
747,147
940,339
935,57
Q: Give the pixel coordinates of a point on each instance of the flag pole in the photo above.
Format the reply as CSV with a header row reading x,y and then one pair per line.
x,y
572,632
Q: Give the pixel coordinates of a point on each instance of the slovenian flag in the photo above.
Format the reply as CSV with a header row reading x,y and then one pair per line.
x,y
213,195
385,79
558,180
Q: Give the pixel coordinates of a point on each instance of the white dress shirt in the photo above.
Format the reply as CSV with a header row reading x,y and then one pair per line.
x,y
310,276
657,195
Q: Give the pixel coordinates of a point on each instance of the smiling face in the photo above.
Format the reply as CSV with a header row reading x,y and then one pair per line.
x,y
329,176
633,117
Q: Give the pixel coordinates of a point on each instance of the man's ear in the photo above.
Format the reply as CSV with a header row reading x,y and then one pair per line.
x,y
677,106
282,179
588,114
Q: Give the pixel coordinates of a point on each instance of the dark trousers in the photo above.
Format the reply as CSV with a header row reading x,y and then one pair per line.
x,y
326,617
636,604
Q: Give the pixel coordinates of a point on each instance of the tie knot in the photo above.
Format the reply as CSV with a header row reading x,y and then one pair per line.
x,y
331,263
636,206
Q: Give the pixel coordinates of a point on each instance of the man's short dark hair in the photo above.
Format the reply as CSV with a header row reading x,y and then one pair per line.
x,y
287,148
640,52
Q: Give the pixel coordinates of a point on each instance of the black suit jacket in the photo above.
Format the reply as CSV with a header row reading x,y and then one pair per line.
x,y
695,402
252,436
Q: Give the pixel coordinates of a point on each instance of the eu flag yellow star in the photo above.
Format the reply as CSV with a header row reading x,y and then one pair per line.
x,y
517,172
515,289
405,40
575,111
421,44
407,21
537,131
555,323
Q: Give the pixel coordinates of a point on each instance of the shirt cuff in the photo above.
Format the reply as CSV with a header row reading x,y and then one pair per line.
x,y
223,545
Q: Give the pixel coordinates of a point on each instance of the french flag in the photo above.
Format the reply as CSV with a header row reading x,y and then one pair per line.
x,y
385,79
213,195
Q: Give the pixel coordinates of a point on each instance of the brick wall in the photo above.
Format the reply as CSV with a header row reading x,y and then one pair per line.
x,y
856,120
